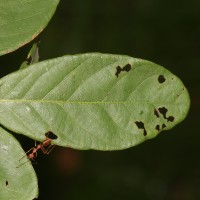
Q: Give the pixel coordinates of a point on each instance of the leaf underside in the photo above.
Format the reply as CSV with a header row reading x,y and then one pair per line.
x,y
93,101
22,20
15,182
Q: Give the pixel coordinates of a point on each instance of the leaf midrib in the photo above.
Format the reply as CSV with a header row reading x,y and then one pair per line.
x,y
74,102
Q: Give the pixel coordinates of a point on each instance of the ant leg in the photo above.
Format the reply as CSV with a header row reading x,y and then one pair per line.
x,y
48,150
30,157
23,163
26,153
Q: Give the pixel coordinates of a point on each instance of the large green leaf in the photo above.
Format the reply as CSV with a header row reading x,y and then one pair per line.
x,y
93,101
22,20
16,182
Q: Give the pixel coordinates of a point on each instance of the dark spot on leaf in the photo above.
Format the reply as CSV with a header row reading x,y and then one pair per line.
x,y
127,68
163,111
170,118
164,126
161,79
51,135
156,113
141,112
140,125
6,183
119,69
158,127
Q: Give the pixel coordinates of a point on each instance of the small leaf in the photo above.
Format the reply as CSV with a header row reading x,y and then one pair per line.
x,y
21,21
93,101
15,182
33,57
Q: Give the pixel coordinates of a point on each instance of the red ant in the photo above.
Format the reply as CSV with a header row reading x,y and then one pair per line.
x,y
32,153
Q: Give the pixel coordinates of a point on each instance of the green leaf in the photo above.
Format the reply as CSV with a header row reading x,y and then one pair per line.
x,y
33,57
21,21
15,182
93,101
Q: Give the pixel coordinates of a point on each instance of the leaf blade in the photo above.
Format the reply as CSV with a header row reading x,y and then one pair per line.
x,y
81,99
21,21
16,183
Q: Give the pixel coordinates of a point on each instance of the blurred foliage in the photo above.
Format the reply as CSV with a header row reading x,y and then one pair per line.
x,y
165,32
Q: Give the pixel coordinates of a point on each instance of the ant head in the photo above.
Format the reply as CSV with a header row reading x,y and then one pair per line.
x,y
51,135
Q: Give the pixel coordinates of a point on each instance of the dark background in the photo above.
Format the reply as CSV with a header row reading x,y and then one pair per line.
x,y
165,32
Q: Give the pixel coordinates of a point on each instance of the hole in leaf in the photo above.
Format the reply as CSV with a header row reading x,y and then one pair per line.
x,y
170,118
51,135
158,127
161,79
140,125
127,68
6,183
156,113
163,126
119,69
163,111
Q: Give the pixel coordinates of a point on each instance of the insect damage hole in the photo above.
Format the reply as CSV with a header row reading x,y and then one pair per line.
x,y
161,79
140,125
163,126
6,183
127,68
164,111
158,127
119,69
